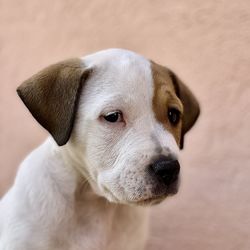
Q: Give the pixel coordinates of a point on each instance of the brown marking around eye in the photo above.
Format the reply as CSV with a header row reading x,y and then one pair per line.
x,y
164,98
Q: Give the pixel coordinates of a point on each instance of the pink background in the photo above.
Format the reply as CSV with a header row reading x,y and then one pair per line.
x,y
205,42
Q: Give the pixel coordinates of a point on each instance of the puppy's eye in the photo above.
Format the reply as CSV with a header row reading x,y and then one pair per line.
x,y
115,116
174,116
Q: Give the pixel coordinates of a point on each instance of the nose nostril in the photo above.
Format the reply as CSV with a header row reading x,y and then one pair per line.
x,y
166,170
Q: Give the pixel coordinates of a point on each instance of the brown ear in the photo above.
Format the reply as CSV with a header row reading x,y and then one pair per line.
x,y
190,105
52,96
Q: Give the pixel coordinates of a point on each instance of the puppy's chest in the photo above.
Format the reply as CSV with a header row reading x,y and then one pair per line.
x,y
107,228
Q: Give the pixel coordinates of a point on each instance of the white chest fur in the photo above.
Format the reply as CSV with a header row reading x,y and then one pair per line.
x,y
109,227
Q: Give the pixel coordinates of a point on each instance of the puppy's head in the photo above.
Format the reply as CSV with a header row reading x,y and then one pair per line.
x,y
122,117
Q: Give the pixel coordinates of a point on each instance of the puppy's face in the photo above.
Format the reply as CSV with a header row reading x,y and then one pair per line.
x,y
129,120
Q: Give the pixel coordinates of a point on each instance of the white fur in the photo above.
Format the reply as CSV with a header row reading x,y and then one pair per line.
x,y
51,204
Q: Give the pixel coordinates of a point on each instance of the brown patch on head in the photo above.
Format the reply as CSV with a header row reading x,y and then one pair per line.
x,y
52,96
171,92
164,98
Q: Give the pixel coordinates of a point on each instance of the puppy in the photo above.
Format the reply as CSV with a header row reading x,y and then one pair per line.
x,y
117,121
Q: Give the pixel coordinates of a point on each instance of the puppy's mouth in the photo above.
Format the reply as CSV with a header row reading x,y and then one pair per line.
x,y
159,195
150,201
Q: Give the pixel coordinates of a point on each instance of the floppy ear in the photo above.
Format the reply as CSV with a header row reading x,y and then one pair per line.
x,y
190,105
52,96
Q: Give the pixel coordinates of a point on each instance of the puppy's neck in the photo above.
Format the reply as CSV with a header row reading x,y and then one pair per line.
x,y
70,172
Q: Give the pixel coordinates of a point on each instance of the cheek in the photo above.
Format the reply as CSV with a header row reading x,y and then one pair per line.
x,y
100,147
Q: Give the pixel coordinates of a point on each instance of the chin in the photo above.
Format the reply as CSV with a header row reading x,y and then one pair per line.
x,y
150,201
153,200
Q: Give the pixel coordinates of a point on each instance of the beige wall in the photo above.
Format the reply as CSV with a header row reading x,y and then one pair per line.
x,y
205,42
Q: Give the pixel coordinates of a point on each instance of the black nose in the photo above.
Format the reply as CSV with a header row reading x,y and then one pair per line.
x,y
166,169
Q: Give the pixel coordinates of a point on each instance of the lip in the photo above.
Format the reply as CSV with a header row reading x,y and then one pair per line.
x,y
156,199
150,201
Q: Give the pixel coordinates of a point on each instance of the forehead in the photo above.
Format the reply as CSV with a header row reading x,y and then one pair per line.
x,y
120,69
162,77
124,77
119,75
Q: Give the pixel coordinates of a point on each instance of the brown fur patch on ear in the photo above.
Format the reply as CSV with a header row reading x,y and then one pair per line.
x,y
52,96
190,104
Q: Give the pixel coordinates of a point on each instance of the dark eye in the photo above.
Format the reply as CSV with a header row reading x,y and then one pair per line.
x,y
115,116
174,116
